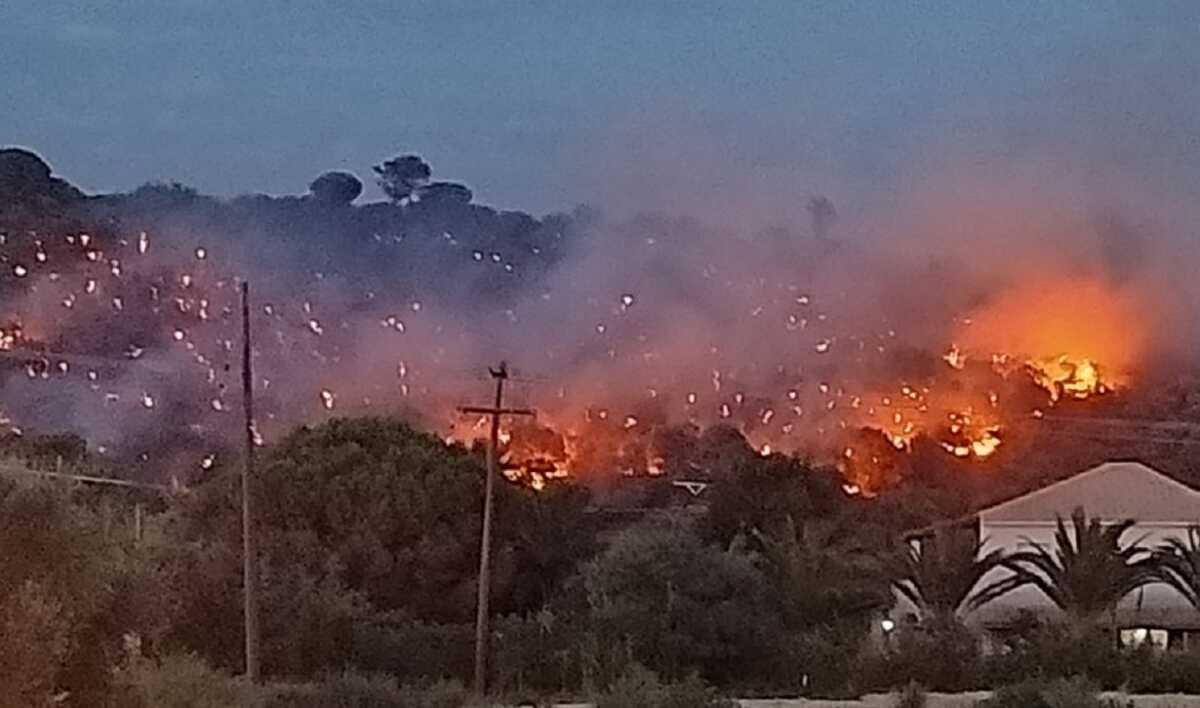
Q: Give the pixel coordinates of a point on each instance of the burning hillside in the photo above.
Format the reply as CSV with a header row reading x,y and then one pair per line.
x,y
1004,363
637,335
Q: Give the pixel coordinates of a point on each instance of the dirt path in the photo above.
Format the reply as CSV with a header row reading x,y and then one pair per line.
x,y
946,700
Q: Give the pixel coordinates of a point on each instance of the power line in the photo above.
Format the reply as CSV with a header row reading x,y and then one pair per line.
x,y
86,479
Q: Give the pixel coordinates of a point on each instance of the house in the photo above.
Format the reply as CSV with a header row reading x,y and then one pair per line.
x,y
1114,491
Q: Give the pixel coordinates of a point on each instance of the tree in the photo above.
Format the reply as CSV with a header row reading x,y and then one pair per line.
x,y
400,177
159,197
769,495
26,178
34,631
395,513
63,591
1179,565
823,215
397,508
1088,570
821,574
445,193
659,596
939,575
551,534
825,583
336,188
307,614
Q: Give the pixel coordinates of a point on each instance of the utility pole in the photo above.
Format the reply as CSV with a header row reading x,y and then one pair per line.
x,y
249,558
482,632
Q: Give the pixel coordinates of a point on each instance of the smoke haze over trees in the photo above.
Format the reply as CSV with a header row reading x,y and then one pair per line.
x,y
644,330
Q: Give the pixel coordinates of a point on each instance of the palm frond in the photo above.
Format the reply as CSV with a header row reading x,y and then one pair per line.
x,y
1090,568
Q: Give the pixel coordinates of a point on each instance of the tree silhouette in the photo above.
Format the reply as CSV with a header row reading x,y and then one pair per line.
x,y
939,576
26,178
336,188
822,213
445,193
822,573
1179,565
400,177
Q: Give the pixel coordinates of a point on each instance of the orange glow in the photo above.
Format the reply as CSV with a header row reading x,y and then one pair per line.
x,y
1075,337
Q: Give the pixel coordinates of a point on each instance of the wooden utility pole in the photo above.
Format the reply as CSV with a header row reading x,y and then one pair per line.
x,y
482,633
249,557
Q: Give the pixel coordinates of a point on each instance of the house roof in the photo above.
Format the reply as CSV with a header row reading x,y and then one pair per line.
x,y
1111,491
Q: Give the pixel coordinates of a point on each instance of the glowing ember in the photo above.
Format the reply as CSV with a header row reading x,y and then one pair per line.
x,y
955,358
1064,377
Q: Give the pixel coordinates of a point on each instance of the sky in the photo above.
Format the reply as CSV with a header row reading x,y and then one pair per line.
x,y
545,105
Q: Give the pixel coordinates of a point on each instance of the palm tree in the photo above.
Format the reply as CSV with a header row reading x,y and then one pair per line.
x,y
1089,569
939,577
822,573
1179,565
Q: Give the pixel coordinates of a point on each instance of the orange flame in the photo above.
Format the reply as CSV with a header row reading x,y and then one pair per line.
x,y
1076,337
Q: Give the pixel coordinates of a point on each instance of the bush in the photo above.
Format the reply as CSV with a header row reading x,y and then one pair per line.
x,y
1077,692
661,597
639,687
414,652
944,657
1147,670
183,681
912,696
351,690
35,636
817,662
538,653
1058,651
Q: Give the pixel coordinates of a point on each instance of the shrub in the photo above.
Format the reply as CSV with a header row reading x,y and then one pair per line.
x,y
1149,671
817,662
183,681
639,687
1076,692
661,596
351,690
414,652
943,657
538,653
35,636
912,696
1061,651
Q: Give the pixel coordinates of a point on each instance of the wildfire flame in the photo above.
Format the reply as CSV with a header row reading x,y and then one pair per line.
x,y
1074,339
1063,377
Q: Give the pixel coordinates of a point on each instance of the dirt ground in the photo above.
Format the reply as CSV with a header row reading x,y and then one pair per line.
x,y
949,700
966,700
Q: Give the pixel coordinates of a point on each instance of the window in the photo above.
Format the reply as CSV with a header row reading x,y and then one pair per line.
x,y
1137,636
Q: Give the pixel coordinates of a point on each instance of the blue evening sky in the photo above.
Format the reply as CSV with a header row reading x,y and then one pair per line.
x,y
542,105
